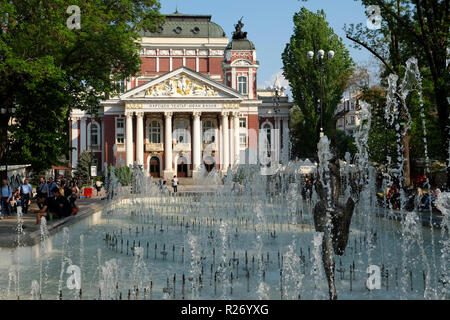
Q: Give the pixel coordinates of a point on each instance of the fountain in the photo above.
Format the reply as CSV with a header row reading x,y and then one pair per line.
x,y
271,238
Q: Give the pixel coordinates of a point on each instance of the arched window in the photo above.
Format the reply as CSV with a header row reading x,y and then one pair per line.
x,y
154,132
242,84
208,132
94,134
181,133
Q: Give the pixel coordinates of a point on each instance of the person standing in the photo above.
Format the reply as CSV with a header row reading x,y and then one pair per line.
x,y
175,184
6,196
98,186
43,187
51,185
26,193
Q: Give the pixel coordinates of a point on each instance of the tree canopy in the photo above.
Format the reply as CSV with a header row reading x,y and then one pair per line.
x,y
415,28
312,33
47,68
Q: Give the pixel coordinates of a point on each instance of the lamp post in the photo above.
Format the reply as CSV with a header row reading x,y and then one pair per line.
x,y
320,55
278,92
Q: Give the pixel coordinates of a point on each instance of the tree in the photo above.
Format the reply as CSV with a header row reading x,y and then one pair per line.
x,y
84,167
414,28
47,68
312,33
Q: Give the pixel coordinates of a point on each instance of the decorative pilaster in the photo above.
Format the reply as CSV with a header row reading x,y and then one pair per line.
x,y
168,144
129,139
140,138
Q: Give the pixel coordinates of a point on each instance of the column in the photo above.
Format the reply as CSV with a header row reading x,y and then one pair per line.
x,y
226,141
102,143
82,134
168,144
140,138
75,141
236,143
286,140
129,139
196,141
278,138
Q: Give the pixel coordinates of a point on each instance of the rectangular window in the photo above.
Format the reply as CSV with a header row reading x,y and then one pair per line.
x,y
120,132
242,85
120,138
243,140
242,122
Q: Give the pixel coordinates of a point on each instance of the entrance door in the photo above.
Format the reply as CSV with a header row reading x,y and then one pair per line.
x,y
154,167
209,164
182,167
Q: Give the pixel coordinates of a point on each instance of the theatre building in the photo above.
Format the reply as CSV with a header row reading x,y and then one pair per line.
x,y
193,107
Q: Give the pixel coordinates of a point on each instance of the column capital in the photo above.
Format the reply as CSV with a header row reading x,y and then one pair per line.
x,y
75,118
129,114
196,114
139,114
225,113
168,114
234,114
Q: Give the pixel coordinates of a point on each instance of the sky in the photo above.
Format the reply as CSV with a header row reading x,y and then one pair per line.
x,y
269,25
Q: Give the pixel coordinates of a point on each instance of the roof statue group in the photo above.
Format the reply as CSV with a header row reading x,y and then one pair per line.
x,y
238,34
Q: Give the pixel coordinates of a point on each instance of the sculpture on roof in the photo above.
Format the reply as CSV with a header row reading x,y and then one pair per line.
x,y
238,34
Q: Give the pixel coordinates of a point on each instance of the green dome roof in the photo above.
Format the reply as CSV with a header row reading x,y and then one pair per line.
x,y
179,25
243,44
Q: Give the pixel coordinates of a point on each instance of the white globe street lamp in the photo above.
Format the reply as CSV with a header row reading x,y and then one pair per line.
x,y
320,57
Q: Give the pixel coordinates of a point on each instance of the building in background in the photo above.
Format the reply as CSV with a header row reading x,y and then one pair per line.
x,y
347,114
194,106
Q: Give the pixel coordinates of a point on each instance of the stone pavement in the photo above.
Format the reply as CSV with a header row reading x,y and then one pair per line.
x,y
31,236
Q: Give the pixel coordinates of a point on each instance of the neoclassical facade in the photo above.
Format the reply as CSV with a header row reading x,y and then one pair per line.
x,y
193,107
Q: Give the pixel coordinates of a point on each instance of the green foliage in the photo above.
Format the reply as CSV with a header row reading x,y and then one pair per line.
x,y
344,144
46,69
411,28
124,175
312,33
84,167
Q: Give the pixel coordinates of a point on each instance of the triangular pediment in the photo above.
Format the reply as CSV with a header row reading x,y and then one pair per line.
x,y
182,83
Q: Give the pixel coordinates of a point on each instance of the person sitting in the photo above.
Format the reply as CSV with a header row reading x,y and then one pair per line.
x,y
54,207
43,204
434,194
61,205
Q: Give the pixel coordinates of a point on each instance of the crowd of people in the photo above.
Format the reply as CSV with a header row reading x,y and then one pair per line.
x,y
55,199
